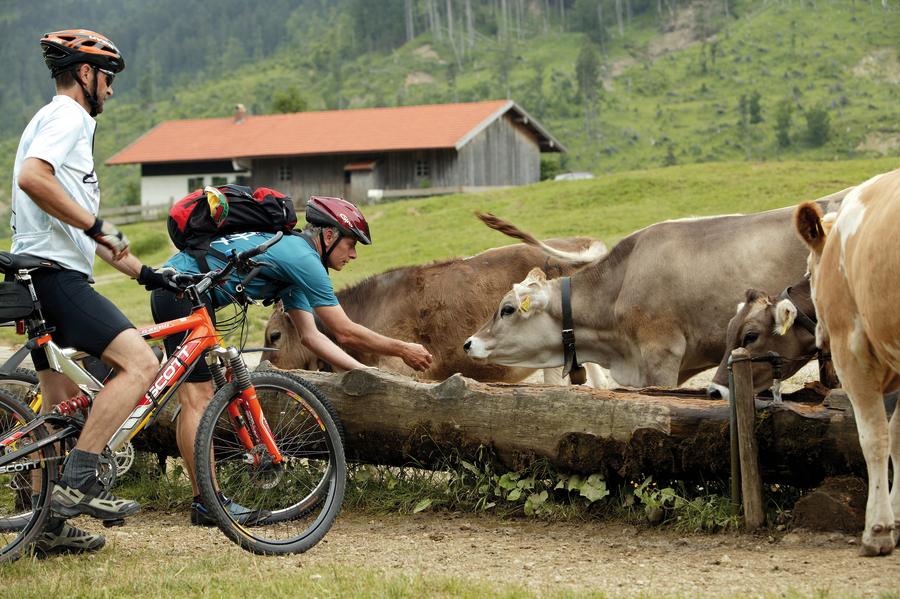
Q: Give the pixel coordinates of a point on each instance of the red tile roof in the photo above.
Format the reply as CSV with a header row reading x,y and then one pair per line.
x,y
328,132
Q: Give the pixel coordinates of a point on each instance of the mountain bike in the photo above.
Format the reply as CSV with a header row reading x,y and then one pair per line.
x,y
23,384
267,442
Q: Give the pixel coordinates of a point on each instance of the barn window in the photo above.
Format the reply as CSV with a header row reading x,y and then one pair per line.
x,y
422,168
219,181
285,171
195,183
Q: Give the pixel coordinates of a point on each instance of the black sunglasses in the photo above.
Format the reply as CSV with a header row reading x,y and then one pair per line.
x,y
110,76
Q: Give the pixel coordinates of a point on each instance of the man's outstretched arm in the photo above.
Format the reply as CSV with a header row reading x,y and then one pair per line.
x,y
354,335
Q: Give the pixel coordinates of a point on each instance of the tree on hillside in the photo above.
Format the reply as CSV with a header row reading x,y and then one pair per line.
x,y
818,126
754,108
504,61
409,19
288,100
534,91
588,18
783,122
382,29
587,73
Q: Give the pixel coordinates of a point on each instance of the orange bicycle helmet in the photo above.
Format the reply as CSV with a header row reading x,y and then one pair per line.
x,y
65,49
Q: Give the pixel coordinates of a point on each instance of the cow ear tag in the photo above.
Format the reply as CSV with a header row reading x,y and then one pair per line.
x,y
526,304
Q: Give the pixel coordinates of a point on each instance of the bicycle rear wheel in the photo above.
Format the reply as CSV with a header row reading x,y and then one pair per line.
x,y
22,384
20,523
263,507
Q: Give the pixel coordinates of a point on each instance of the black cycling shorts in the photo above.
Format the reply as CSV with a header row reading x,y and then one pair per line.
x,y
165,305
83,318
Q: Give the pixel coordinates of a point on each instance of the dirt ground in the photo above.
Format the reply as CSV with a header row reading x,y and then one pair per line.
x,y
546,557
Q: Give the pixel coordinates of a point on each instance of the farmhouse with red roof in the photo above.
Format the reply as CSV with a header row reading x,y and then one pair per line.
x,y
358,154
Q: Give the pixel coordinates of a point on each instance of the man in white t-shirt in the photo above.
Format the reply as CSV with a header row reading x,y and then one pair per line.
x,y
55,201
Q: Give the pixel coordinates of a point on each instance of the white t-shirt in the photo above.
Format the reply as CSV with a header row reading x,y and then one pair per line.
x,y
61,134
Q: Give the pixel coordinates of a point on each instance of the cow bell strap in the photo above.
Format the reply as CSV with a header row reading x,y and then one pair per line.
x,y
571,366
806,321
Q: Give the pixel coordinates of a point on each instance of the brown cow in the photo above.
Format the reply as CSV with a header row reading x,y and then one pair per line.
x,y
435,305
854,269
785,324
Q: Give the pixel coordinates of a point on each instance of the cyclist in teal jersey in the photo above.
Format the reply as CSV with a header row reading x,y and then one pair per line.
x,y
295,272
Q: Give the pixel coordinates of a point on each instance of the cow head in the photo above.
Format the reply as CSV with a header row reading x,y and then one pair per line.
x,y
522,332
288,353
766,324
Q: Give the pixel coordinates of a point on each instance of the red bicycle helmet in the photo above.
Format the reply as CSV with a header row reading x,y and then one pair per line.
x,y
335,212
69,47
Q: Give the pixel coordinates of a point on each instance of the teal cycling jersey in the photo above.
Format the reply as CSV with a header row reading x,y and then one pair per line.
x,y
292,271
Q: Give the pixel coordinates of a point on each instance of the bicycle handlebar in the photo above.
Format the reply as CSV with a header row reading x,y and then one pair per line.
x,y
202,282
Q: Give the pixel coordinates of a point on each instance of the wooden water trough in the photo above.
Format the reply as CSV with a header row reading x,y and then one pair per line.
x,y
628,434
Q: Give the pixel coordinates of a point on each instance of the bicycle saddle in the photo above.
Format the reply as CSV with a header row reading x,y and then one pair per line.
x,y
10,263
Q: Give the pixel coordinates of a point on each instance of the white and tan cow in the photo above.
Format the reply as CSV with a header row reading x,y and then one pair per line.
x,y
655,309
437,305
855,270
784,323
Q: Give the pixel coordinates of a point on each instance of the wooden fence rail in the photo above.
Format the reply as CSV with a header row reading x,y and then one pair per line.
x,y
123,215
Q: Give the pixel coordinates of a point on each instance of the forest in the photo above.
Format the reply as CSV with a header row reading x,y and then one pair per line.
x,y
625,84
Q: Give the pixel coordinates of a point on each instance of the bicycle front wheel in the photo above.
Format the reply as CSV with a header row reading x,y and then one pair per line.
x,y
262,506
22,474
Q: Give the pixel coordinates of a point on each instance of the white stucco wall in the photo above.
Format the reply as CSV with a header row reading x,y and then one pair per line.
x,y
165,189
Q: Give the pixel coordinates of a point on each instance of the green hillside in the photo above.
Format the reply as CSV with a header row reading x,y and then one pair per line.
x,y
667,90
608,208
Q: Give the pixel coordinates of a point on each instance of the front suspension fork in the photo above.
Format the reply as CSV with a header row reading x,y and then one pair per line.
x,y
244,410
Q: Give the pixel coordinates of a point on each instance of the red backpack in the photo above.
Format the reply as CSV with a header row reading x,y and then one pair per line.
x,y
193,223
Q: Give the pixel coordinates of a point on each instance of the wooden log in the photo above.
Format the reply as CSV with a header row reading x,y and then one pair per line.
x,y
671,434
745,421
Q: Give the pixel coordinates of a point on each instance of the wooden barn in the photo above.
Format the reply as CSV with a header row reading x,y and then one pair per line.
x,y
363,155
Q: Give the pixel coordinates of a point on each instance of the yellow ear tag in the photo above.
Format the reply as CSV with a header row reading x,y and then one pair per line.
x,y
784,329
526,303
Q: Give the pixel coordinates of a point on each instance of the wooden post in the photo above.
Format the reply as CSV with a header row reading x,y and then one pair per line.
x,y
745,417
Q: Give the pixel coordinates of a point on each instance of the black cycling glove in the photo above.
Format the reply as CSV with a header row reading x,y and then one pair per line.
x,y
152,278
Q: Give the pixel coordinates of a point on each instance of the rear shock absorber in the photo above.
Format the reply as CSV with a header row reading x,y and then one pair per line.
x,y
70,406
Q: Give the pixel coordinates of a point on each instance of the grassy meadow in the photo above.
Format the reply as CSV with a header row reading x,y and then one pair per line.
x,y
608,208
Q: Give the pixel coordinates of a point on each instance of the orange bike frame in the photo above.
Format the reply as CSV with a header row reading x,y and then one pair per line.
x,y
201,337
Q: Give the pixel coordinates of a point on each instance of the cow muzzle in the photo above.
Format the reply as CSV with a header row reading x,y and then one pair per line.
x,y
475,348
714,391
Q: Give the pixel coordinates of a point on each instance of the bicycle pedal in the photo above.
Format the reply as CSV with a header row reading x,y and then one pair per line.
x,y
116,522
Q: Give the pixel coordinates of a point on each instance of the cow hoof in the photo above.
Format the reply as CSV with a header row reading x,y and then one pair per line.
x,y
881,541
